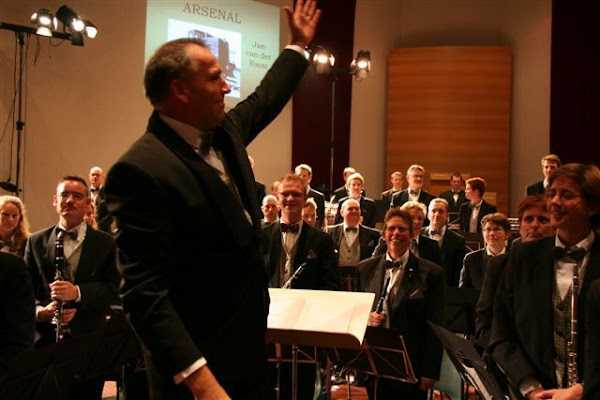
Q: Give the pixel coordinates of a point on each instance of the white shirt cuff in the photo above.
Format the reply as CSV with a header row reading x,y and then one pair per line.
x,y
180,377
298,50
528,385
78,299
38,308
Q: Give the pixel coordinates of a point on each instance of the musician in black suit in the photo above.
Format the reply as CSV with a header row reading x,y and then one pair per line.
x,y
270,210
534,224
456,195
549,162
17,318
415,295
355,185
342,191
91,276
396,179
414,175
98,200
532,313
421,246
305,172
293,244
189,238
472,213
354,241
496,230
452,245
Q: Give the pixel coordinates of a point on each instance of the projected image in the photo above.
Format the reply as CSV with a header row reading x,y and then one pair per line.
x,y
225,45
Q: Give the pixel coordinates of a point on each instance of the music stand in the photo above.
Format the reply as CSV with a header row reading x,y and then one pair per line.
x,y
317,318
469,364
383,355
460,309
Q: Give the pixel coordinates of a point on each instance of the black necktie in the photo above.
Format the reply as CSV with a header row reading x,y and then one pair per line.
x,y
290,228
70,234
573,253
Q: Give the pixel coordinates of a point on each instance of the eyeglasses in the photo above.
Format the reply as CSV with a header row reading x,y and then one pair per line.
x,y
76,195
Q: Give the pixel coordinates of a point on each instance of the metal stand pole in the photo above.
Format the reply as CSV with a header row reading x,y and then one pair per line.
x,y
294,372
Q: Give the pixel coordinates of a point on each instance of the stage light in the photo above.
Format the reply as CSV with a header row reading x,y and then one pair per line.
x,y
69,18
90,29
361,65
44,21
323,60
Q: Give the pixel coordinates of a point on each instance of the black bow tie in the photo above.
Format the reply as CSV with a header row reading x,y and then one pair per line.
x,y
413,192
573,253
433,233
392,264
352,229
70,234
94,190
290,228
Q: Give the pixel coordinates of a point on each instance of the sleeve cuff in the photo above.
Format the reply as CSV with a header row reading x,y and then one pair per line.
x,y
78,299
38,308
298,50
528,385
180,377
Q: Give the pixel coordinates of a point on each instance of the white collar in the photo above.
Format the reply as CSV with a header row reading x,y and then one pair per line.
x,y
189,133
403,258
489,253
585,244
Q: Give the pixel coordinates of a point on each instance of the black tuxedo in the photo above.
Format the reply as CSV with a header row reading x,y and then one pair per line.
x,y
452,254
96,276
536,188
367,238
484,310
522,339
195,283
474,269
367,210
342,192
465,215
320,200
399,198
17,305
592,348
313,247
261,192
103,218
420,298
454,206
387,196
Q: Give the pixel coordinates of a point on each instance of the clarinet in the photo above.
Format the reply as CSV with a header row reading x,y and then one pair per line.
x,y
379,307
59,264
572,374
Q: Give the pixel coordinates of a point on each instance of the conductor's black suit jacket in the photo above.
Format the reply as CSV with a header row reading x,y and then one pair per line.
x,y
195,283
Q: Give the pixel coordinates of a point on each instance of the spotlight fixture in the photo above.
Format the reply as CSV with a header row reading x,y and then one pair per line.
x,y
70,19
361,65
90,29
323,60
44,21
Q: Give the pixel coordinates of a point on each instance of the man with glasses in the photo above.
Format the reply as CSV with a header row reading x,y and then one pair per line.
x,y
90,274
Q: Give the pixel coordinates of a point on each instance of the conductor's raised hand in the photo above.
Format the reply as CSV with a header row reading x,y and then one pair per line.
x,y
303,22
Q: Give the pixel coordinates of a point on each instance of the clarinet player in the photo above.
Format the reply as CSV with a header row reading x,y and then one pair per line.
x,y
87,284
538,332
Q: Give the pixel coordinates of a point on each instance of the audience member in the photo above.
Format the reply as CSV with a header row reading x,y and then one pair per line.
x,y
549,162
355,185
532,312
17,305
396,179
471,214
14,226
452,244
354,241
414,175
414,295
91,274
496,230
456,195
305,172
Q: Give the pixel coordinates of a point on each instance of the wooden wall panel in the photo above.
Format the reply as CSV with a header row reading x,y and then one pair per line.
x,y
449,109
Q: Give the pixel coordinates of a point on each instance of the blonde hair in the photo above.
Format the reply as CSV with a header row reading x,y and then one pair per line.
x,y
22,229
